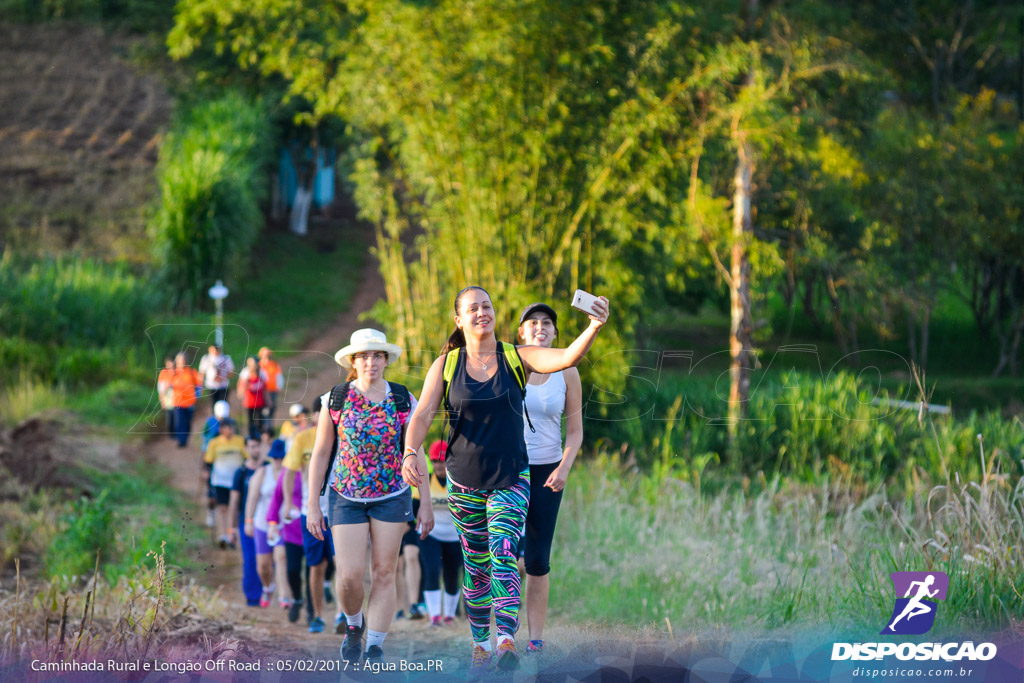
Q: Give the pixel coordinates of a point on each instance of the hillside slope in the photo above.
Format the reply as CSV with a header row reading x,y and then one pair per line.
x,y
80,130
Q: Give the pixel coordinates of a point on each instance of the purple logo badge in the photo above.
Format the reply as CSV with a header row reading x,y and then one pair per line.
x,y
916,596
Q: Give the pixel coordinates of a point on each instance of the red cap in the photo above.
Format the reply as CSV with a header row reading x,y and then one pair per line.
x,y
437,450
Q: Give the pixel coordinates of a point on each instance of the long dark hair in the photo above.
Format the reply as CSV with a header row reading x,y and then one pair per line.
x,y
457,339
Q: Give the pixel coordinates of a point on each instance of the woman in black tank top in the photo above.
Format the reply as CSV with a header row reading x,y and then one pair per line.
x,y
488,474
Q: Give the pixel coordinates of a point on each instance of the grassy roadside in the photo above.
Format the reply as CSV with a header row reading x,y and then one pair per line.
x,y
654,553
138,591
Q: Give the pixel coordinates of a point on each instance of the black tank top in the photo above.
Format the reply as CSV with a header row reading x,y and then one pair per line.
x,y
486,448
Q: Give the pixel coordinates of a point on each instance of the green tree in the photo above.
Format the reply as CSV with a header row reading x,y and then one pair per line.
x,y
211,176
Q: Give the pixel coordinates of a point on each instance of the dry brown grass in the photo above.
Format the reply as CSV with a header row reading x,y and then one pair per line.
x,y
152,613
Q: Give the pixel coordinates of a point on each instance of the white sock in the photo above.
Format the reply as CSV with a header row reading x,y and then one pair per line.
x,y
451,602
375,638
503,637
433,600
355,619
485,644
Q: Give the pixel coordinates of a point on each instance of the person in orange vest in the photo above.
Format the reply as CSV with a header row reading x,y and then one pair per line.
x,y
186,384
275,382
165,388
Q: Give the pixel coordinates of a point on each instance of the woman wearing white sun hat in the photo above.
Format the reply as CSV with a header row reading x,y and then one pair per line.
x,y
368,497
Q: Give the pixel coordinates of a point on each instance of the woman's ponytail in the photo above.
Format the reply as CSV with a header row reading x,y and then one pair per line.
x,y
456,340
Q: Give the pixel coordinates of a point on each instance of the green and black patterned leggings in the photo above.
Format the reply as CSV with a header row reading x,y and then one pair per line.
x,y
490,525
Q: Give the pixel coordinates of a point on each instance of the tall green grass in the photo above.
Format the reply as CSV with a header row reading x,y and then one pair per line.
x,y
211,183
640,549
73,301
799,427
69,322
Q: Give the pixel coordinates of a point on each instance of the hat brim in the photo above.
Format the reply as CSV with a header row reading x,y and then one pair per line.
x,y
343,355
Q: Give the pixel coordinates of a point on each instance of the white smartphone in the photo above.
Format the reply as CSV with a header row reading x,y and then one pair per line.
x,y
584,301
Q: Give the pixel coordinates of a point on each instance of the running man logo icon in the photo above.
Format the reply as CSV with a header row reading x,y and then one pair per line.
x,y
916,596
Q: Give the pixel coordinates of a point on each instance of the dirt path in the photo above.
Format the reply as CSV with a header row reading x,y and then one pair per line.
x,y
222,571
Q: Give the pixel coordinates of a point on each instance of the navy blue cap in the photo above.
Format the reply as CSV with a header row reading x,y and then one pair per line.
x,y
539,307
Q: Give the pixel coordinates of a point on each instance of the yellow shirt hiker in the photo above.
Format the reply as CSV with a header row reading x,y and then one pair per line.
x,y
226,454
297,459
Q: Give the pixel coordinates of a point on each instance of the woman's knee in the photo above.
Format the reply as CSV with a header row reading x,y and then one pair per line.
x,y
383,569
349,579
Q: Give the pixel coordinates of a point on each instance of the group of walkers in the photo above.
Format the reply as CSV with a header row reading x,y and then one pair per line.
x,y
180,386
353,476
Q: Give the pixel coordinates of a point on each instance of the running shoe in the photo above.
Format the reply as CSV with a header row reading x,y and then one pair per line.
x,y
449,621
481,662
285,604
399,615
223,543
508,658
435,621
317,625
294,610
534,647
374,655
264,601
416,611
339,624
352,646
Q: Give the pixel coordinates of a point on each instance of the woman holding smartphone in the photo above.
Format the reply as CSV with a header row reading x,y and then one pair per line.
x,y
548,398
488,472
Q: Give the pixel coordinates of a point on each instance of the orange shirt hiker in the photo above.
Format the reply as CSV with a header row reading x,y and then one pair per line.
x,y
273,370
185,381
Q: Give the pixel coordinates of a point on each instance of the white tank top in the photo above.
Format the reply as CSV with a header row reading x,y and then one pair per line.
x,y
266,492
546,404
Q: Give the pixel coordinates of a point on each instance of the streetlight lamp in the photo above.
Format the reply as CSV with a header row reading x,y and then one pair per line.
x,y
218,293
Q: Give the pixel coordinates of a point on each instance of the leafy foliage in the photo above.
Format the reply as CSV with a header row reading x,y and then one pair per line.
x,y
211,183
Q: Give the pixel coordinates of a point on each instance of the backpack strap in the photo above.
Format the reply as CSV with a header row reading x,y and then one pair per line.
x,y
334,405
451,360
403,402
515,364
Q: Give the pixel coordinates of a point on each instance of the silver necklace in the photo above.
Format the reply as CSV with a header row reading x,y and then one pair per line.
x,y
483,365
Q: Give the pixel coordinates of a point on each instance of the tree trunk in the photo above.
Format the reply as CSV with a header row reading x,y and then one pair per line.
x,y
1009,326
810,310
922,353
740,343
912,338
741,349
838,328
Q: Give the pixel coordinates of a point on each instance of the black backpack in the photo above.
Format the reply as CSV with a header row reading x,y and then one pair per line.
x,y
403,402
